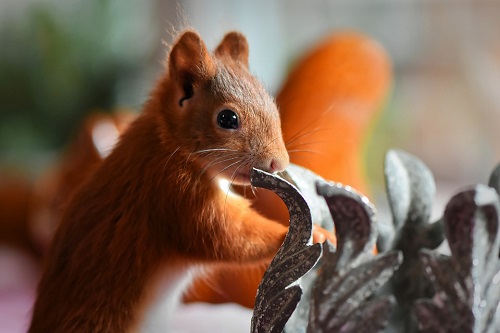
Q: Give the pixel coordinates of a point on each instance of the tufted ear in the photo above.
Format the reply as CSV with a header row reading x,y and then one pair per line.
x,y
189,63
234,45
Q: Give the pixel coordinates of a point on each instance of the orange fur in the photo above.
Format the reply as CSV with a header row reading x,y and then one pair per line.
x,y
329,103
14,198
154,207
85,153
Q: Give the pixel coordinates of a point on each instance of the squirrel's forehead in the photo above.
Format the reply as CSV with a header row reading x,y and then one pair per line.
x,y
240,87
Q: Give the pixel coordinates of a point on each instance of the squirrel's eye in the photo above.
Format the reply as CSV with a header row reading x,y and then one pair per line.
x,y
227,119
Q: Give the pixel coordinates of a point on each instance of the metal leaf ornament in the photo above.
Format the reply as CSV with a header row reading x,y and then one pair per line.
x,y
410,190
361,315
435,292
468,282
342,297
278,295
306,180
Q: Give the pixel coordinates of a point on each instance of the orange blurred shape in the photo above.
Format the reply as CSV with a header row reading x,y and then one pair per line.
x,y
327,105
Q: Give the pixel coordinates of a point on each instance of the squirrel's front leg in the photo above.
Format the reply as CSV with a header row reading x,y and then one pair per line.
x,y
246,236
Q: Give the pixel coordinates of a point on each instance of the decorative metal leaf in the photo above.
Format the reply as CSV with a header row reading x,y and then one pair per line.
x,y
377,313
410,191
350,275
410,187
276,299
457,293
305,180
468,282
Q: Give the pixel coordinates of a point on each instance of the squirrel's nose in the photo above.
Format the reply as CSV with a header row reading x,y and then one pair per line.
x,y
278,165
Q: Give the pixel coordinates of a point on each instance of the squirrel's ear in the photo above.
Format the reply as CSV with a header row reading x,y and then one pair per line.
x,y
190,62
234,45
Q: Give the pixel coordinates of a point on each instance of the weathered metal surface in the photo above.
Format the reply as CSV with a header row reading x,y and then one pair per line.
x,y
343,294
305,180
410,190
277,295
350,273
467,283
433,292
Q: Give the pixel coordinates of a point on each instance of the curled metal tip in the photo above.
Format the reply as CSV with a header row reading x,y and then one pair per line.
x,y
278,295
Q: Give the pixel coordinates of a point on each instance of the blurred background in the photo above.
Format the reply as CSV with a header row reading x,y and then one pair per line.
x,y
61,60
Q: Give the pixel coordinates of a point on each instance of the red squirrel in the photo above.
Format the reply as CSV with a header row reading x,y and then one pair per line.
x,y
153,212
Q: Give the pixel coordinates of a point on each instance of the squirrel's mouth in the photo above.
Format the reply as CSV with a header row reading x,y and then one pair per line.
x,y
242,178
235,175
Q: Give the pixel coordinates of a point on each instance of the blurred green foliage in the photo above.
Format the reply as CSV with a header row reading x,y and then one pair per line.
x,y
60,60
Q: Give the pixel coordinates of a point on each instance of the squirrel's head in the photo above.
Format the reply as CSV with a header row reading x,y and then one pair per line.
x,y
219,112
